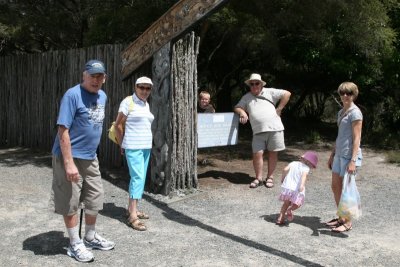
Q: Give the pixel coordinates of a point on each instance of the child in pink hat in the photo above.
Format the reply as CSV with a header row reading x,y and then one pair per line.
x,y
294,178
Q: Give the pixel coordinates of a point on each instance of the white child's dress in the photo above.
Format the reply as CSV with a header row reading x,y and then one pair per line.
x,y
292,182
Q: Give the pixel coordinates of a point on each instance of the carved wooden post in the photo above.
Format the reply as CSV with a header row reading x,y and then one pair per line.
x,y
160,98
173,102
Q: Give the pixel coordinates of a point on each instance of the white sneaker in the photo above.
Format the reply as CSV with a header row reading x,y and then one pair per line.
x,y
80,252
99,243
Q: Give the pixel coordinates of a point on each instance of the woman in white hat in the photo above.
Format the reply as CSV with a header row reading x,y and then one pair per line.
x,y
263,107
136,141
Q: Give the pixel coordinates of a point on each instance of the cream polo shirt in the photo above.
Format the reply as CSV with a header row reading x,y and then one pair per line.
x,y
262,113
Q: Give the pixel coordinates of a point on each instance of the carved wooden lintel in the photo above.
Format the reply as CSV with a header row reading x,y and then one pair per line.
x,y
176,20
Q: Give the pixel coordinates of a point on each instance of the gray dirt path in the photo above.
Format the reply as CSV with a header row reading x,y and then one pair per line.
x,y
224,224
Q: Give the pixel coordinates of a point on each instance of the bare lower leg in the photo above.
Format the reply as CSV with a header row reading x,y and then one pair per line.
x,y
258,164
337,183
284,207
71,220
132,208
272,161
294,207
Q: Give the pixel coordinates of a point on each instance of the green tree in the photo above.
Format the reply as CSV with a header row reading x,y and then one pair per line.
x,y
43,25
307,46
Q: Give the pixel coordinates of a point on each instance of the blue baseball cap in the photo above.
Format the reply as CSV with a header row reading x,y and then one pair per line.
x,y
95,66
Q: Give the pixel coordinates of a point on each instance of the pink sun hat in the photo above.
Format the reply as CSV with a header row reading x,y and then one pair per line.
x,y
312,157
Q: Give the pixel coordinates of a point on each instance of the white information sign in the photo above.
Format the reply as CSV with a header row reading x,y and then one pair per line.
x,y
217,129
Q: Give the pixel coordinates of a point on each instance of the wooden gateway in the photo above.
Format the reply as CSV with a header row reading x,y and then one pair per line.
x,y
174,97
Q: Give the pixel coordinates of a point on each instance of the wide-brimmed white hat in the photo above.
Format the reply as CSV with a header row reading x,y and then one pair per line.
x,y
254,77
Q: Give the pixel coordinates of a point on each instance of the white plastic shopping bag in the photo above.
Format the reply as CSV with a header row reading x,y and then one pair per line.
x,y
350,203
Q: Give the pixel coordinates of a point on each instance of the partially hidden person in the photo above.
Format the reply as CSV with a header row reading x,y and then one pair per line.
x,y
204,105
76,174
346,154
263,107
293,189
136,141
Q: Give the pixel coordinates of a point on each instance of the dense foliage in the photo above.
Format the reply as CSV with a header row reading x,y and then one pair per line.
x,y
306,46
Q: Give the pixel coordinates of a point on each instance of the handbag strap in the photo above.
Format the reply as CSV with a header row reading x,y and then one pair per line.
x,y
131,103
264,98
344,114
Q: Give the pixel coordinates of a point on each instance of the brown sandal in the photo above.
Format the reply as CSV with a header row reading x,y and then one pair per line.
x,y
137,225
256,183
340,229
140,214
269,183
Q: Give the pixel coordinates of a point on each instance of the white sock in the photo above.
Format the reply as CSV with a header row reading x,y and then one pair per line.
x,y
73,234
90,231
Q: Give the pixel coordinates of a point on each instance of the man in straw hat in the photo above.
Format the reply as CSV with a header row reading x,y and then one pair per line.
x,y
260,107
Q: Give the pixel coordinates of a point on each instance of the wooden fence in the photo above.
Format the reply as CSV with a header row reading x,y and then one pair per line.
x,y
31,87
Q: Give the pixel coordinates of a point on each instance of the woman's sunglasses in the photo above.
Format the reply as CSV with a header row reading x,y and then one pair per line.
x,y
342,93
141,87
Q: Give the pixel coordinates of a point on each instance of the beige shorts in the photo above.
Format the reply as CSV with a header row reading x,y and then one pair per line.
x,y
271,141
67,196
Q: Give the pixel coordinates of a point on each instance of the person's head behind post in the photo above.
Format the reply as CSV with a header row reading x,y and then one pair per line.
x,y
255,83
310,158
204,99
94,75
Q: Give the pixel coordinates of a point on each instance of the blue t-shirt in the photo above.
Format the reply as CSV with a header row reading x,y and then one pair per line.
x,y
82,113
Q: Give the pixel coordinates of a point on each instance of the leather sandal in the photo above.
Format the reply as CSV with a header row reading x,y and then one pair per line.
x,y
137,225
340,229
332,222
269,183
142,215
256,183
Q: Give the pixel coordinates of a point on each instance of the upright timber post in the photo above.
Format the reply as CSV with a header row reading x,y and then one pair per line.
x,y
174,102
160,107
174,98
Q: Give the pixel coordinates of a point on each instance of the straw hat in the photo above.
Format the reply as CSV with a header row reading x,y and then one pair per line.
x,y
254,77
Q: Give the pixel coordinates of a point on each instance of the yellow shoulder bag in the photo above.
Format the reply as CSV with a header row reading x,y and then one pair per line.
x,y
111,132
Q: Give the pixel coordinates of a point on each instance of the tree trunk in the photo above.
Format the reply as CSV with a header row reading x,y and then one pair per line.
x,y
174,102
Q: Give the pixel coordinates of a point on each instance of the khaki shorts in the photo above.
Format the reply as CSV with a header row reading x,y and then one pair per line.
x,y
67,196
271,141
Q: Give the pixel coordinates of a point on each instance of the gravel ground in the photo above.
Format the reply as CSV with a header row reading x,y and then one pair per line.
x,y
223,224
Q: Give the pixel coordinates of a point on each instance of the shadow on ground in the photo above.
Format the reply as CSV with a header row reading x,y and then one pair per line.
x,y
313,222
50,243
233,177
16,157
